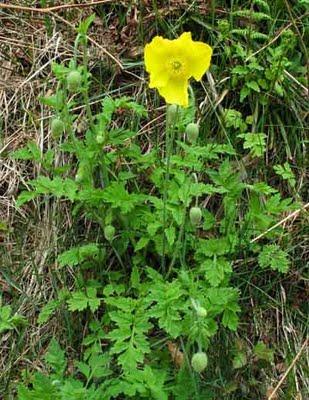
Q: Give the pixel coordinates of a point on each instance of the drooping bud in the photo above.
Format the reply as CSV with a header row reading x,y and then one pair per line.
x,y
109,232
195,214
192,131
57,127
100,139
74,80
81,173
172,114
201,312
199,362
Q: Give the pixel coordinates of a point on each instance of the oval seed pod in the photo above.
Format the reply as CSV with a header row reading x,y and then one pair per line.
x,y
192,131
199,361
171,114
195,214
57,127
201,312
81,173
100,139
109,232
74,80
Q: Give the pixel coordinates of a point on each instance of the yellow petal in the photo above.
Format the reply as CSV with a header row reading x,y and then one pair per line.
x,y
171,63
201,57
175,92
197,54
155,54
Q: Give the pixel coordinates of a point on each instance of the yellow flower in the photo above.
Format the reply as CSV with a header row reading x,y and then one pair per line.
x,y
171,63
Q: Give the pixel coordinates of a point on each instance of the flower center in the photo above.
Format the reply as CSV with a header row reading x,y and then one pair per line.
x,y
177,67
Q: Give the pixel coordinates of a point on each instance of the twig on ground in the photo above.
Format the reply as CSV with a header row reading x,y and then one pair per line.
x,y
293,214
288,370
52,9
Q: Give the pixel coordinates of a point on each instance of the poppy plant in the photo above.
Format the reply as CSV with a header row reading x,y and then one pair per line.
x,y
171,63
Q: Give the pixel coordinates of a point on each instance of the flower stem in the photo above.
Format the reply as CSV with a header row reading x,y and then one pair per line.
x,y
169,140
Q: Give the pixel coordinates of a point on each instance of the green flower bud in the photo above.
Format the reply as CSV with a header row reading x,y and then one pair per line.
x,y
172,113
199,362
79,177
81,172
100,139
192,131
74,80
109,232
195,214
201,312
57,127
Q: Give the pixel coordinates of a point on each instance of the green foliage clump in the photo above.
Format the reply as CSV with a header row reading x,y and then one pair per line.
x,y
161,267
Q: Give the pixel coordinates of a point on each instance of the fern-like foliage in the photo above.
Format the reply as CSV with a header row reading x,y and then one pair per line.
x,y
255,16
170,303
249,33
275,258
129,337
78,255
262,5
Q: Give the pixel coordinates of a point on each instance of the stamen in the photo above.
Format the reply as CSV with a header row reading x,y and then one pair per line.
x,y
177,66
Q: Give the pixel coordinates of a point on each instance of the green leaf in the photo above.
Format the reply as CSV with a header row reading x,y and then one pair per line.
x,y
208,220
77,255
127,103
118,197
98,364
135,278
8,320
255,142
5,318
286,173
30,152
170,302
216,270
24,197
55,357
142,243
85,25
239,359
262,188
252,15
57,187
275,258
233,119
240,70
170,234
118,136
80,300
230,319
213,247
154,380
83,368
226,300
245,91
254,86
129,338
60,72
56,101
42,389
262,352
153,227
47,310
275,205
